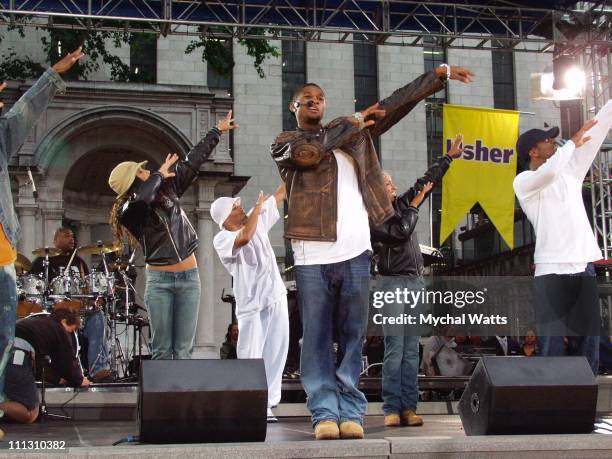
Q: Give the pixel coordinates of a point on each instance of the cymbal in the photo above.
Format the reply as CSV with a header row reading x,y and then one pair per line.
x,y
100,248
51,251
22,264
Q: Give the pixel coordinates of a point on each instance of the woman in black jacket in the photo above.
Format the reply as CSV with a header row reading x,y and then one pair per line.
x,y
400,265
148,207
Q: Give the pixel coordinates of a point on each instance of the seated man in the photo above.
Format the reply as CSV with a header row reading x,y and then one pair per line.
x,y
94,324
38,338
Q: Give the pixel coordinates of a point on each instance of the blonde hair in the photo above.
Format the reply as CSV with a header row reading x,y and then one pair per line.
x,y
118,230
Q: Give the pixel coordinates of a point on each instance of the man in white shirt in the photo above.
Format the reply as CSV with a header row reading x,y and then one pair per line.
x,y
549,191
244,248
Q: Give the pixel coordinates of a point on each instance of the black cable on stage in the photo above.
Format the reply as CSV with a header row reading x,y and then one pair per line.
x,y
128,439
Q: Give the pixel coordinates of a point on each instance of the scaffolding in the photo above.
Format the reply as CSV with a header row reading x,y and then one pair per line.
x,y
514,24
544,26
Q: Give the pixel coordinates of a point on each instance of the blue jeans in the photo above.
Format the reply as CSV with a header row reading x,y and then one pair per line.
x,y
97,355
8,317
333,301
400,390
173,302
569,299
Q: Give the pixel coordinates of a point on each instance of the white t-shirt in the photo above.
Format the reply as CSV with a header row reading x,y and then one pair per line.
x,y
257,281
551,197
352,225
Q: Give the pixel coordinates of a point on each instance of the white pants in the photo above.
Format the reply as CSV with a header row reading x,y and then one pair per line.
x,y
265,334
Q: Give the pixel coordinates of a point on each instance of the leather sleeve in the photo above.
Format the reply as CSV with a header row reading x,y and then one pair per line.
x,y
433,174
404,99
396,230
187,169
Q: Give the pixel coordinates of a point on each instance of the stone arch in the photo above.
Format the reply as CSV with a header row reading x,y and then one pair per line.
x,y
77,155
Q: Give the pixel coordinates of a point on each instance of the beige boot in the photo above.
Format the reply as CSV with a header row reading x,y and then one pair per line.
x,y
392,420
410,418
351,429
327,430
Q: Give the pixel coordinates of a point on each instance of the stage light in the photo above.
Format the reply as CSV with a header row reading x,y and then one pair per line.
x,y
570,85
575,80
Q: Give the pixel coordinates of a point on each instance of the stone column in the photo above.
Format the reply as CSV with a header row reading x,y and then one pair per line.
x,y
205,346
52,221
26,211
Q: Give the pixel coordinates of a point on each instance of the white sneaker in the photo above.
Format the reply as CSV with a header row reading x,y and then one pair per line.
x,y
271,417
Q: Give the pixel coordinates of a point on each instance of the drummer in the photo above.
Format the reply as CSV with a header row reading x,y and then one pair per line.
x,y
93,324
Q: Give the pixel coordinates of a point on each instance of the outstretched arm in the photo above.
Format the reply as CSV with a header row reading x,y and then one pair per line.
x,y
187,169
528,184
584,155
247,232
403,100
21,118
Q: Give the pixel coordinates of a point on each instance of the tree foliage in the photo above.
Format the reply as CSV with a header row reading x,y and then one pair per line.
x,y
94,41
219,56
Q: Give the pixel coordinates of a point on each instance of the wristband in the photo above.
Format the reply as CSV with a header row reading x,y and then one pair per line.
x,y
359,118
448,71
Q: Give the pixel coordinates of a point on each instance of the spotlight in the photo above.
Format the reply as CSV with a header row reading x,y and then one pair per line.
x,y
567,86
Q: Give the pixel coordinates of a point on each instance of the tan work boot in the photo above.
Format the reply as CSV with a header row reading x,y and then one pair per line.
x,y
327,430
392,420
410,418
351,429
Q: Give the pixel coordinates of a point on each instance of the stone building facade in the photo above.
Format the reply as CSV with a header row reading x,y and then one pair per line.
x,y
98,123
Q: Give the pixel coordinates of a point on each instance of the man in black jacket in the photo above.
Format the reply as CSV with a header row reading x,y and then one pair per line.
x,y
39,338
400,265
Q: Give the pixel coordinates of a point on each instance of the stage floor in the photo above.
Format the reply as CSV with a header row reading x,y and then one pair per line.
x,y
440,437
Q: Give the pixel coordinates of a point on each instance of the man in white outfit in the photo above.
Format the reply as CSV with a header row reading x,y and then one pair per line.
x,y
244,248
550,193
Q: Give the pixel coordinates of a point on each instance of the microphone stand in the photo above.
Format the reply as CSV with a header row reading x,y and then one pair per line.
x,y
43,412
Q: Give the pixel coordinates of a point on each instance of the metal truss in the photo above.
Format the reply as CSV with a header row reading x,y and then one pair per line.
x,y
490,24
597,62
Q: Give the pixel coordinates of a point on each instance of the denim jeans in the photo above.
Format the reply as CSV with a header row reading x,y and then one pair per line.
x,y
8,317
400,390
173,301
575,301
94,330
333,301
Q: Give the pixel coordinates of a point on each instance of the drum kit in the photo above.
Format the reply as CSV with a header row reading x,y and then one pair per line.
x,y
107,290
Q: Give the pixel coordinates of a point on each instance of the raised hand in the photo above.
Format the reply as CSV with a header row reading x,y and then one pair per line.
x,y
456,73
68,61
164,170
461,74
260,200
227,123
579,139
418,199
455,151
371,110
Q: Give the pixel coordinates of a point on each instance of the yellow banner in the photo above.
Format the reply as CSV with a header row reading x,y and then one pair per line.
x,y
484,171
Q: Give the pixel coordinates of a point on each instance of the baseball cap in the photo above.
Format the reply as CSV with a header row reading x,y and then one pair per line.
x,y
123,175
528,139
221,209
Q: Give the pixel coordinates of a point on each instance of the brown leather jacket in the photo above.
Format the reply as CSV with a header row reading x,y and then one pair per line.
x,y
308,167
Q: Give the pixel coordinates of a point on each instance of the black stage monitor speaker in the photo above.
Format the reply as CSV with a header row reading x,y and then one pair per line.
x,y
529,395
202,401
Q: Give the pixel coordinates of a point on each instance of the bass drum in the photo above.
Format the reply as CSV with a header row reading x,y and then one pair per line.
x,y
25,308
